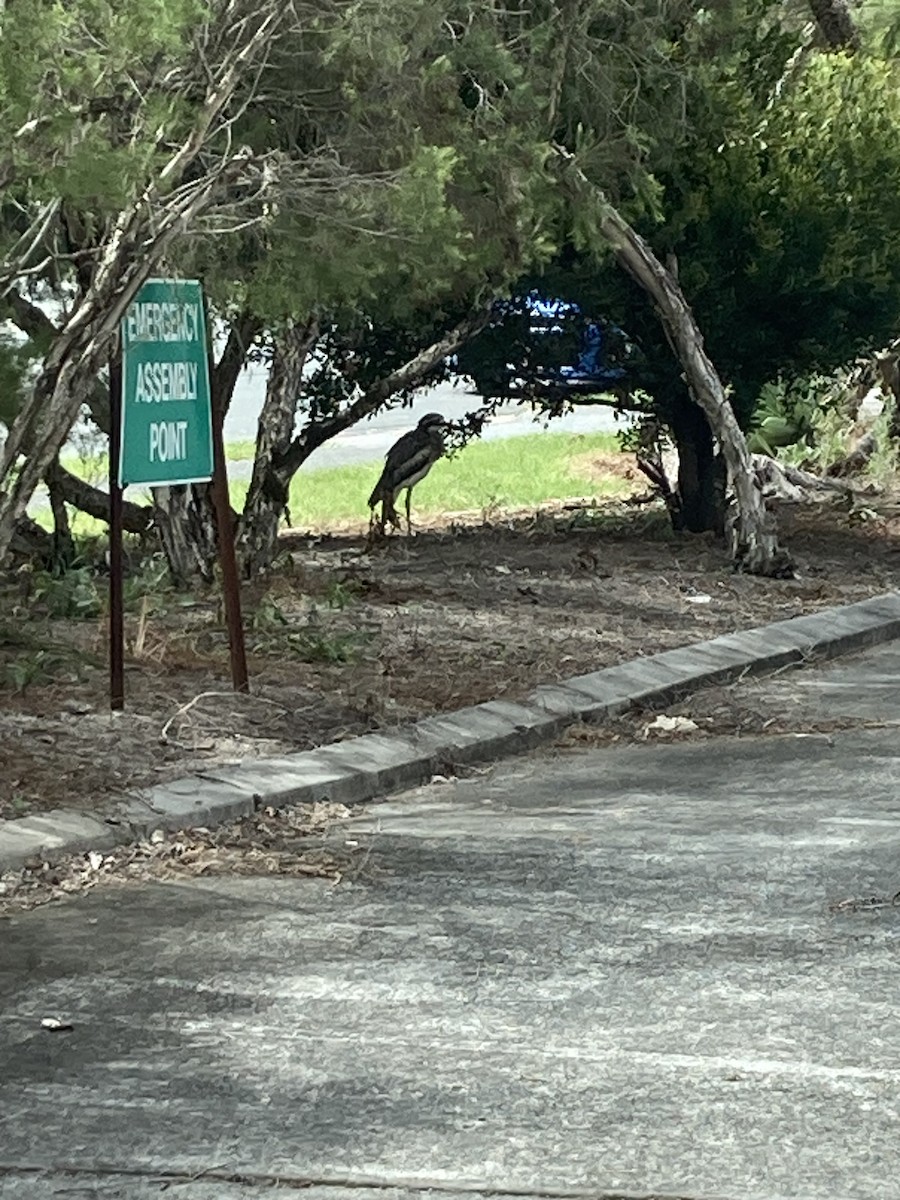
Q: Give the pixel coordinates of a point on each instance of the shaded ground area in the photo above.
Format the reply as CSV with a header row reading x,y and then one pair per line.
x,y
342,641
638,972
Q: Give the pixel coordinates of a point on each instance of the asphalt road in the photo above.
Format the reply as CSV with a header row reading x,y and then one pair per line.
x,y
605,974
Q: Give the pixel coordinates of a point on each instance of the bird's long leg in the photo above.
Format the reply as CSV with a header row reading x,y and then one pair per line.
x,y
389,513
373,526
408,520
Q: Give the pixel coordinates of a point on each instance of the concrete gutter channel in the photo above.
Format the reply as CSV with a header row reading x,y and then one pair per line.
x,y
361,768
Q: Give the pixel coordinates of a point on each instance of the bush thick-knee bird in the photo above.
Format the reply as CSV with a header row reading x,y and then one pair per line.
x,y
408,460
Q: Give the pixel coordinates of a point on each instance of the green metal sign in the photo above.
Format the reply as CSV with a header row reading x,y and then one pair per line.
x,y
166,404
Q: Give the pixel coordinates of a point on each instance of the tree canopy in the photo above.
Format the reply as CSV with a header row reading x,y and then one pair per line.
x,y
359,183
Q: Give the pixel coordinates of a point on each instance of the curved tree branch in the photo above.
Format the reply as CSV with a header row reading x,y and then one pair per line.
x,y
136,518
755,546
407,375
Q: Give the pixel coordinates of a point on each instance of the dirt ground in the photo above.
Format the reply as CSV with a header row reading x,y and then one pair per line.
x,y
342,641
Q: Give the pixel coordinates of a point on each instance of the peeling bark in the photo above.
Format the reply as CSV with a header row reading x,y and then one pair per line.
x,y
267,497
32,542
755,546
187,530
785,482
184,515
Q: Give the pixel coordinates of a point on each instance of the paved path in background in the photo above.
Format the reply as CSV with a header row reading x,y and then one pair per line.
x,y
614,972
370,440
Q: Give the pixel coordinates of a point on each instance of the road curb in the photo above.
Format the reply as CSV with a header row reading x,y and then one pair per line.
x,y
361,768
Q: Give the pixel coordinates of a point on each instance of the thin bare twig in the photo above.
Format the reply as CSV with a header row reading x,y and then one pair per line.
x,y
185,708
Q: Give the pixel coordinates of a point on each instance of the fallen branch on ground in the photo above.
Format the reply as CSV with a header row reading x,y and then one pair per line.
x,y
783,482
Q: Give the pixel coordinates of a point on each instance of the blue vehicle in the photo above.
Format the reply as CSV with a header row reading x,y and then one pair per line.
x,y
590,368
542,333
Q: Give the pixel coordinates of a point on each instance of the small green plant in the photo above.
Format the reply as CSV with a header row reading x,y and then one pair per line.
x,y
268,615
19,804
883,465
309,642
831,432
90,549
40,666
341,592
316,645
72,595
149,581
787,412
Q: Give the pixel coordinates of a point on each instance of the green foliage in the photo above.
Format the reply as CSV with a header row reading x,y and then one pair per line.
x,y
812,423
148,582
278,635
323,646
341,593
72,595
442,117
786,233
16,360
420,140
36,666
268,616
785,413
27,660
69,80
780,203
833,432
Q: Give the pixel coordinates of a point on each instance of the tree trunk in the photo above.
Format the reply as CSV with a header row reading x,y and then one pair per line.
x,y
267,497
701,475
754,543
136,518
186,523
184,515
32,542
284,457
63,544
889,368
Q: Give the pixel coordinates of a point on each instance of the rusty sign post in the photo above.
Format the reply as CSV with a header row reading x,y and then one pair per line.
x,y
116,583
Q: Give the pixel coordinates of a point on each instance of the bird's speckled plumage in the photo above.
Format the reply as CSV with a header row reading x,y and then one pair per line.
x,y
408,461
